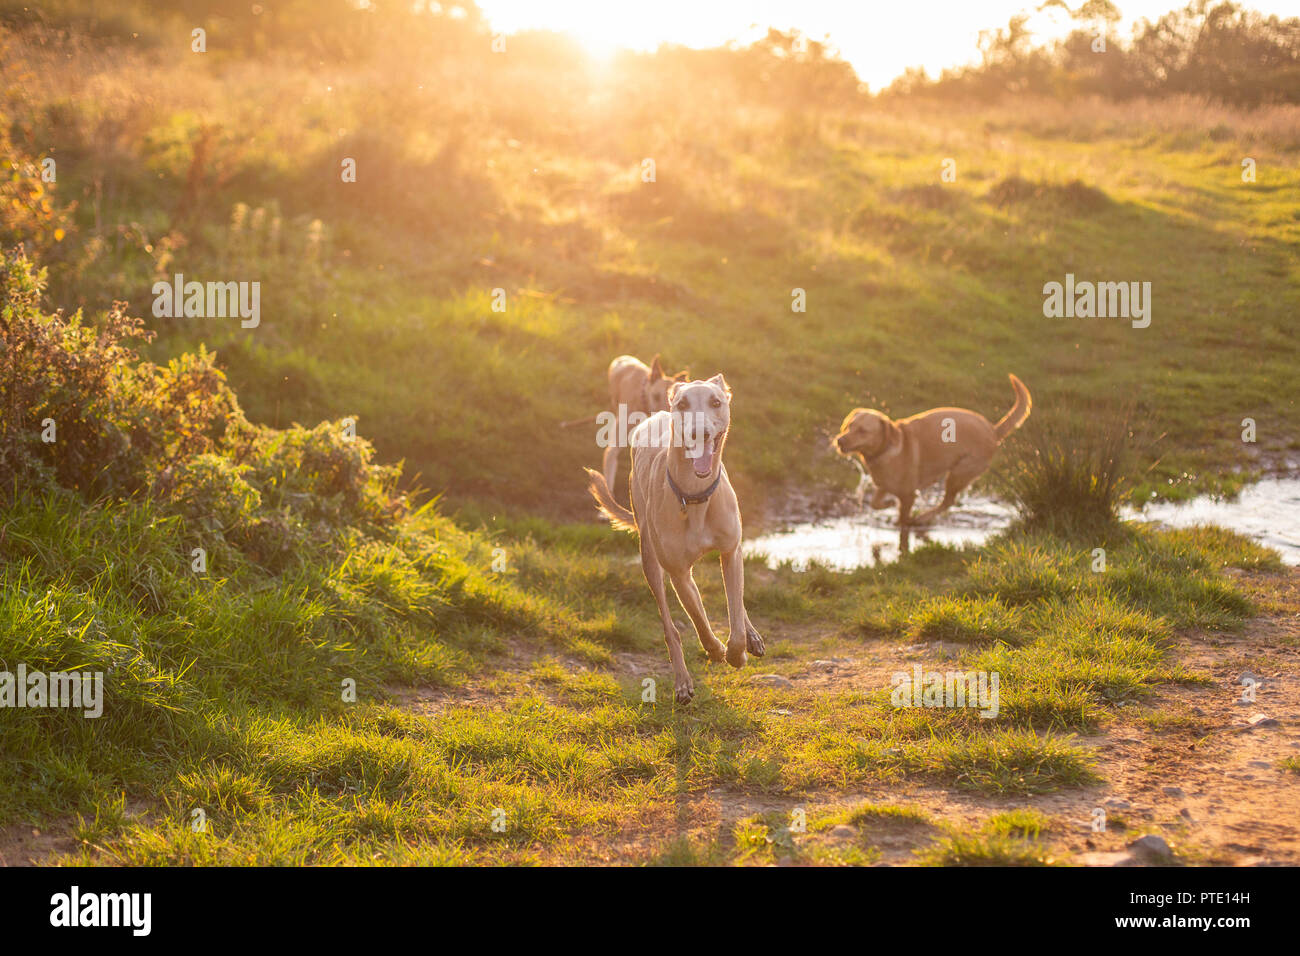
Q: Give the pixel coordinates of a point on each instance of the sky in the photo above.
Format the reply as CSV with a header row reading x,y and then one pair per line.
x,y
880,38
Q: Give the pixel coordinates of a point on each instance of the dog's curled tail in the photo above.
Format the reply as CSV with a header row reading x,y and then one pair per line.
x,y
620,518
1019,411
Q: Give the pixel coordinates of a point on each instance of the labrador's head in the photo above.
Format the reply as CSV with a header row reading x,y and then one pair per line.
x,y
865,432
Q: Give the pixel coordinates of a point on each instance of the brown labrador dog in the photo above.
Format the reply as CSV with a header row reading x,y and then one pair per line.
x,y
910,454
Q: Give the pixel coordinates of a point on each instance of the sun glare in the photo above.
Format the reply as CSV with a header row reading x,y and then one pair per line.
x,y
880,38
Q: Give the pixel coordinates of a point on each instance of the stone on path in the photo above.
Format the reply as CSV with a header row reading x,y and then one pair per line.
x,y
1152,848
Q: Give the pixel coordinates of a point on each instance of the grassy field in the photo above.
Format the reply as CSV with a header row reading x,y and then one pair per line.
x,y
500,641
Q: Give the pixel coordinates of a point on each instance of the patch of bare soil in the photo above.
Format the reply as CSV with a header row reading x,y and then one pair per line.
x,y
29,846
22,844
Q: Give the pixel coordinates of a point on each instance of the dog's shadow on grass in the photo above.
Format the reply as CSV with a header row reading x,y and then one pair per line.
x,y
707,734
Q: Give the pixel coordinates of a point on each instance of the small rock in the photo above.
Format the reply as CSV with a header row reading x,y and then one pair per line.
x,y
1151,847
779,712
1262,720
843,832
1262,764
1174,791
773,680
1197,712
1115,803
1186,814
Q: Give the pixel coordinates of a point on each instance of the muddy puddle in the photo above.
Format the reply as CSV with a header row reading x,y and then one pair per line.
x,y
1267,511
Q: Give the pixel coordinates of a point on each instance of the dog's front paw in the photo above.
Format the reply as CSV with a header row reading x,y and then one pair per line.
x,y
684,689
753,642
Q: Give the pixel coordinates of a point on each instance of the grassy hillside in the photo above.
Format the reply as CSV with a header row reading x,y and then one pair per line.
x,y
522,171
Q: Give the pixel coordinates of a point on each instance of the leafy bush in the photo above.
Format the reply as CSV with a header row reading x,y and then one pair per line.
x,y
57,370
176,432
29,208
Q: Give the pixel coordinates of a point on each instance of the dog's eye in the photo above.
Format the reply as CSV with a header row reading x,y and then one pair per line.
x,y
716,403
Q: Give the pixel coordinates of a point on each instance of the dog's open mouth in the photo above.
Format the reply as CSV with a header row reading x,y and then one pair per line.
x,y
701,454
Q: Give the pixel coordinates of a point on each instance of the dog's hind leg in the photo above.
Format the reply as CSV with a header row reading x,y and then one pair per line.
x,y
683,686
963,473
689,594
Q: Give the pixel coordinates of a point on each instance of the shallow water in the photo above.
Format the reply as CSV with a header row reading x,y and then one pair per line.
x,y
1268,512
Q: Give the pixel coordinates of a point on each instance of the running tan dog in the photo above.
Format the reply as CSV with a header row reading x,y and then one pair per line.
x,y
683,505
908,455
639,389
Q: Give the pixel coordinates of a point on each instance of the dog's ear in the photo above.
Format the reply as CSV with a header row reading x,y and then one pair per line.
x,y
683,376
893,435
656,370
721,382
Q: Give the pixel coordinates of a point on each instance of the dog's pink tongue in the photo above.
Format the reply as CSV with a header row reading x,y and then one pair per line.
x,y
704,463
